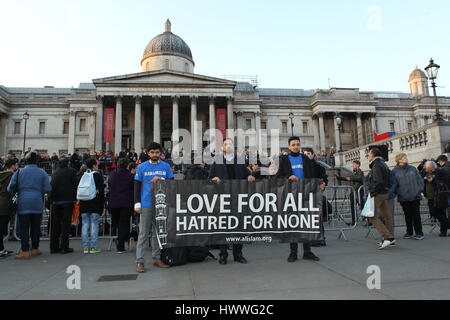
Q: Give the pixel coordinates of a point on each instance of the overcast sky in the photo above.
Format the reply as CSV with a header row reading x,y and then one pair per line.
x,y
371,45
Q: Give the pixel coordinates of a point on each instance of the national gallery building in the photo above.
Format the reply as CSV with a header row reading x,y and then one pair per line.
x,y
132,110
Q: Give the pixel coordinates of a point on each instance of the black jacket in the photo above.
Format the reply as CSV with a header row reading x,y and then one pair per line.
x,y
195,172
220,171
64,185
443,174
95,205
5,196
319,171
285,167
379,177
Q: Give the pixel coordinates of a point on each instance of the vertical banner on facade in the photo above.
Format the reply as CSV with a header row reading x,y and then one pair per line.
x,y
108,130
222,121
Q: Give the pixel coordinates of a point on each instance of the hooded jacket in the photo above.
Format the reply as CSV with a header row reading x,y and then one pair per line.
x,y
409,183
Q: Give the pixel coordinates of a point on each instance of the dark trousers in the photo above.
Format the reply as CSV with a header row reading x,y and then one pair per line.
x,y
237,250
4,221
30,226
411,209
61,219
439,214
120,218
306,247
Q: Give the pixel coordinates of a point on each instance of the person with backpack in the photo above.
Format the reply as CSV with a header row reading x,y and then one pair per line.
x,y
31,183
64,191
379,182
147,174
409,189
91,195
120,202
6,211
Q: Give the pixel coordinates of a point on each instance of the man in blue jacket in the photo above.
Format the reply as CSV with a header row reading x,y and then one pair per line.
x,y
230,169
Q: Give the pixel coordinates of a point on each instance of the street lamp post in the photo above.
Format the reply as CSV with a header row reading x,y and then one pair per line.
x,y
26,116
291,116
432,72
339,123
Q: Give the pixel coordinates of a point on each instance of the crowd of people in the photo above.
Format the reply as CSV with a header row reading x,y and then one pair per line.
x,y
122,185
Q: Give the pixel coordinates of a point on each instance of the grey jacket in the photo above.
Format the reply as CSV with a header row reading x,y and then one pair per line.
x,y
410,183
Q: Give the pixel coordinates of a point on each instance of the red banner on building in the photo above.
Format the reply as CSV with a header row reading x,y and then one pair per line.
x,y
108,130
222,121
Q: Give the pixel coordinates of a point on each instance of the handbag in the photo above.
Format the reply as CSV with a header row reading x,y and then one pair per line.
x,y
369,207
76,214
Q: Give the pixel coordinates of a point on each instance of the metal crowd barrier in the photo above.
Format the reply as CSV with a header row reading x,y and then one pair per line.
x,y
340,213
398,216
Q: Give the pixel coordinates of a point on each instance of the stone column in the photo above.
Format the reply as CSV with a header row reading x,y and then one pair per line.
x,y
316,134
118,128
373,123
322,133
156,120
212,121
258,130
72,127
137,123
229,112
99,125
336,135
359,128
175,116
92,131
3,134
194,135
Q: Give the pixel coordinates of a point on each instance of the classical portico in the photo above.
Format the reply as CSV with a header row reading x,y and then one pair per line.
x,y
149,105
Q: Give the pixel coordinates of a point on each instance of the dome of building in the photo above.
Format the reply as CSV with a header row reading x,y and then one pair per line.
x,y
167,47
417,74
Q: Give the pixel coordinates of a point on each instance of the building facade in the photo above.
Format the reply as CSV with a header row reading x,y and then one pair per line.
x,y
167,95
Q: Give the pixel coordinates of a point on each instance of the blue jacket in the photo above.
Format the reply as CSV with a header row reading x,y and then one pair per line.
x,y
410,183
33,184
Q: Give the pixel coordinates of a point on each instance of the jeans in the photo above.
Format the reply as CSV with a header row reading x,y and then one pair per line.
x,y
411,209
60,226
90,220
30,226
121,221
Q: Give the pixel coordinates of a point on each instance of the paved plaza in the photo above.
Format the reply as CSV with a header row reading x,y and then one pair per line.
x,y
412,270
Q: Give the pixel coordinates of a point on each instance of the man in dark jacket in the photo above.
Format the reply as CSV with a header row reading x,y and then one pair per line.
x,y
379,188
75,160
356,181
230,169
63,195
295,166
5,199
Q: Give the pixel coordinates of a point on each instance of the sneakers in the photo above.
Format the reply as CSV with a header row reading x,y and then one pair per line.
x,y
407,236
384,244
95,250
23,255
86,250
419,237
36,252
391,245
5,253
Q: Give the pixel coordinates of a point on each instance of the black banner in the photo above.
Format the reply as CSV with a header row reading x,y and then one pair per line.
x,y
199,212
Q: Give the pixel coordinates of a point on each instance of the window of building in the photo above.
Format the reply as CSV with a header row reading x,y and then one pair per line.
x,y
283,126
66,127
17,127
263,124
248,124
392,126
82,125
410,126
305,127
41,127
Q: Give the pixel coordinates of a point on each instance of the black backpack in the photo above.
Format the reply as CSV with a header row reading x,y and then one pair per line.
x,y
198,254
174,256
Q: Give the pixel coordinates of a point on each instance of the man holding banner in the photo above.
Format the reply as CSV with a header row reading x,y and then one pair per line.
x,y
231,169
294,167
147,174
